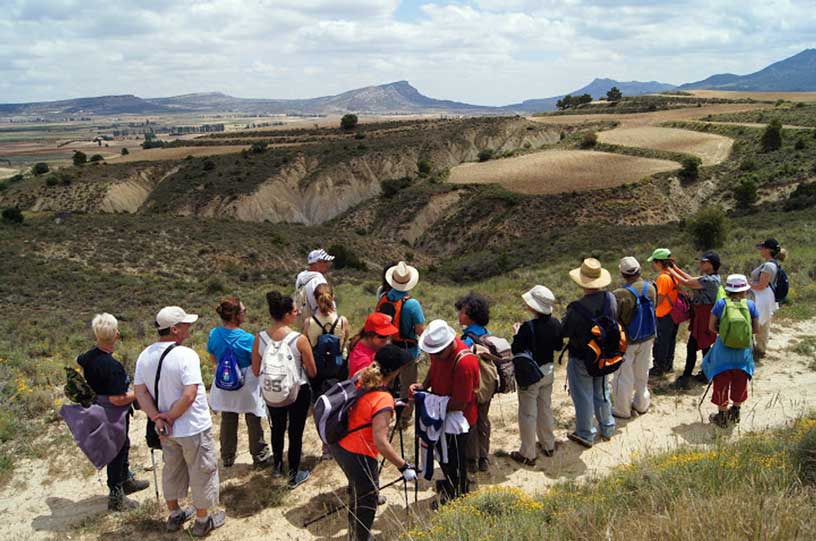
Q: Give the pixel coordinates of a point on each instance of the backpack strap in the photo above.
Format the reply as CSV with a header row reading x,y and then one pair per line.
x,y
158,373
633,291
334,325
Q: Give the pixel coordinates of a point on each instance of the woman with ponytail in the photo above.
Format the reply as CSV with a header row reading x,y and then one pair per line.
x,y
763,280
325,319
368,421
246,400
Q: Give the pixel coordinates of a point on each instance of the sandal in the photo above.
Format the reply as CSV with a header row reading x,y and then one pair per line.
x,y
521,459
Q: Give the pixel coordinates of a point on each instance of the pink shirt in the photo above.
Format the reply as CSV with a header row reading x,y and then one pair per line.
x,y
360,357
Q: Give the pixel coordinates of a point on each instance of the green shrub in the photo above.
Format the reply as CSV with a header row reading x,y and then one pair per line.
x,y
772,136
804,196
424,167
80,158
348,122
3,186
52,180
805,456
12,215
486,154
208,165
359,135
40,168
96,158
746,193
748,164
393,186
258,148
215,285
15,179
345,258
800,144
125,151
589,140
690,170
708,228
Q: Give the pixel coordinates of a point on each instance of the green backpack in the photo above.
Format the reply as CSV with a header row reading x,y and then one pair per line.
x,y
77,389
735,325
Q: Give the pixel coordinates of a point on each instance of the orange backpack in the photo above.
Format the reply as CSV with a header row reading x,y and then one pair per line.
x,y
394,310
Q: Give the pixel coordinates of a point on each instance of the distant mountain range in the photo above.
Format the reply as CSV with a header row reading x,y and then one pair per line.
x,y
794,74
797,73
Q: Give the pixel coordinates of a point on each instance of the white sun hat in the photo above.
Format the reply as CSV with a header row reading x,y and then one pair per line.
x,y
737,283
540,299
436,337
402,277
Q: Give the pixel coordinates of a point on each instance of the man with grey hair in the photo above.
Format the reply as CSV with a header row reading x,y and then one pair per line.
x,y
107,377
171,392
636,303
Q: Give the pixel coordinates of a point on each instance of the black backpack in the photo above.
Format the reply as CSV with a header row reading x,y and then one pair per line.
x,y
603,353
781,285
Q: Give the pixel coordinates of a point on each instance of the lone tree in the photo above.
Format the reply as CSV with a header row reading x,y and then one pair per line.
x,y
772,136
691,169
80,157
96,158
125,151
614,94
348,122
12,215
40,168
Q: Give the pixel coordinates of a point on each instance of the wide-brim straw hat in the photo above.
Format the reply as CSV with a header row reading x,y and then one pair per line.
x,y
402,277
591,275
540,299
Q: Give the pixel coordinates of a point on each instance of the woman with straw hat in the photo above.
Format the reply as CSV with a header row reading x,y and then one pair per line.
x,y
588,393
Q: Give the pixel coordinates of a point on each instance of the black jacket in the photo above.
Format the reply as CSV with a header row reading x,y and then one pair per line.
x,y
548,339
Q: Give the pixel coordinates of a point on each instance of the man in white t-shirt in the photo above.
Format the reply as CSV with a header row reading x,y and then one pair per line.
x,y
318,264
182,419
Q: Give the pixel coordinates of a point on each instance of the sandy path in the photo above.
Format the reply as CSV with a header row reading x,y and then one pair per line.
x,y
35,508
712,149
556,171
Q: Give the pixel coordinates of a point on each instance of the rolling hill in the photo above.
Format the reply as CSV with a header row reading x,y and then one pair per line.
x,y
597,89
794,74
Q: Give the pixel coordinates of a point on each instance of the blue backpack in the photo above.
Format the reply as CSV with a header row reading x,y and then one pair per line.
x,y
327,353
643,325
228,374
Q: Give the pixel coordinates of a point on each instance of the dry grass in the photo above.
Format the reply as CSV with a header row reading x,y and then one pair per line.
x,y
761,96
657,117
712,149
159,154
557,171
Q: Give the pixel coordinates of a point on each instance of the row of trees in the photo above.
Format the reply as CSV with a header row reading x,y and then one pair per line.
x,y
614,95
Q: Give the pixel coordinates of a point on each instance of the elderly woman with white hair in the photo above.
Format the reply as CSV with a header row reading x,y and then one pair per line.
x,y
107,377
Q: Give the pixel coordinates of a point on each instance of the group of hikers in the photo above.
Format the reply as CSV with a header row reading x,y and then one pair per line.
x,y
364,387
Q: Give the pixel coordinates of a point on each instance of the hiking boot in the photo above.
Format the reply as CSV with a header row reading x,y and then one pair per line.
x,y
202,528
656,372
733,415
546,452
572,436
277,470
720,419
299,477
521,459
472,466
484,464
263,463
132,485
228,462
118,502
701,377
177,518
682,383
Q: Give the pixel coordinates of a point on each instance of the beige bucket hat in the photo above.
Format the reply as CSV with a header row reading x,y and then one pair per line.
x,y
402,277
591,274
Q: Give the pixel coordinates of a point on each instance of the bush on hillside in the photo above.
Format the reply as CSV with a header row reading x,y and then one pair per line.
x,y
708,228
772,136
96,158
804,196
424,167
258,148
690,170
746,192
52,180
125,151
486,154
393,186
80,158
348,122
345,258
208,165
15,179
589,140
800,144
12,215
40,168
3,186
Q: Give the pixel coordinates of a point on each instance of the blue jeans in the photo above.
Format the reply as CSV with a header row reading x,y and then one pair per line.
x,y
588,394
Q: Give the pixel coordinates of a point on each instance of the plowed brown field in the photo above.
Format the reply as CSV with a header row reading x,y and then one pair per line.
x,y
712,149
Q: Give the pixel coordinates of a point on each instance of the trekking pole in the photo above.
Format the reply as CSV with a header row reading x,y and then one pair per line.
x,y
416,452
339,507
400,406
700,404
405,481
155,475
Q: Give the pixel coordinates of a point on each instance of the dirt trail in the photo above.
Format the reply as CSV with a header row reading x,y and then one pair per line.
x,y
36,506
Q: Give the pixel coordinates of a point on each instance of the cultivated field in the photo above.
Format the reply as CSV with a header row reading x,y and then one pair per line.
x,y
177,153
759,96
557,171
712,149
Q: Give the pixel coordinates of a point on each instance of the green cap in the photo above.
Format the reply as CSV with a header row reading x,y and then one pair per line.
x,y
660,253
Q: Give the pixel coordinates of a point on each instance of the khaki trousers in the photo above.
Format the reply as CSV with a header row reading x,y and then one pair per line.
x,y
535,416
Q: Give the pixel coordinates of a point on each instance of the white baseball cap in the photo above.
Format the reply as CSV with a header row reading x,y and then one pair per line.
x,y
173,315
629,266
318,255
436,337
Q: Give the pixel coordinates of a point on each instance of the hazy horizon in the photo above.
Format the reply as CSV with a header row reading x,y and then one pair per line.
x,y
484,52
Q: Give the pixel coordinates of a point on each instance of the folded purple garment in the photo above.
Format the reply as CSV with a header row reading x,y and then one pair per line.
x,y
98,430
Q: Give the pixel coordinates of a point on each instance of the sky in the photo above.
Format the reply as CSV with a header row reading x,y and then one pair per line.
x,y
489,52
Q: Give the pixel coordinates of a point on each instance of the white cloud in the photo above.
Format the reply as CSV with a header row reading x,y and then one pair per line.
x,y
481,51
